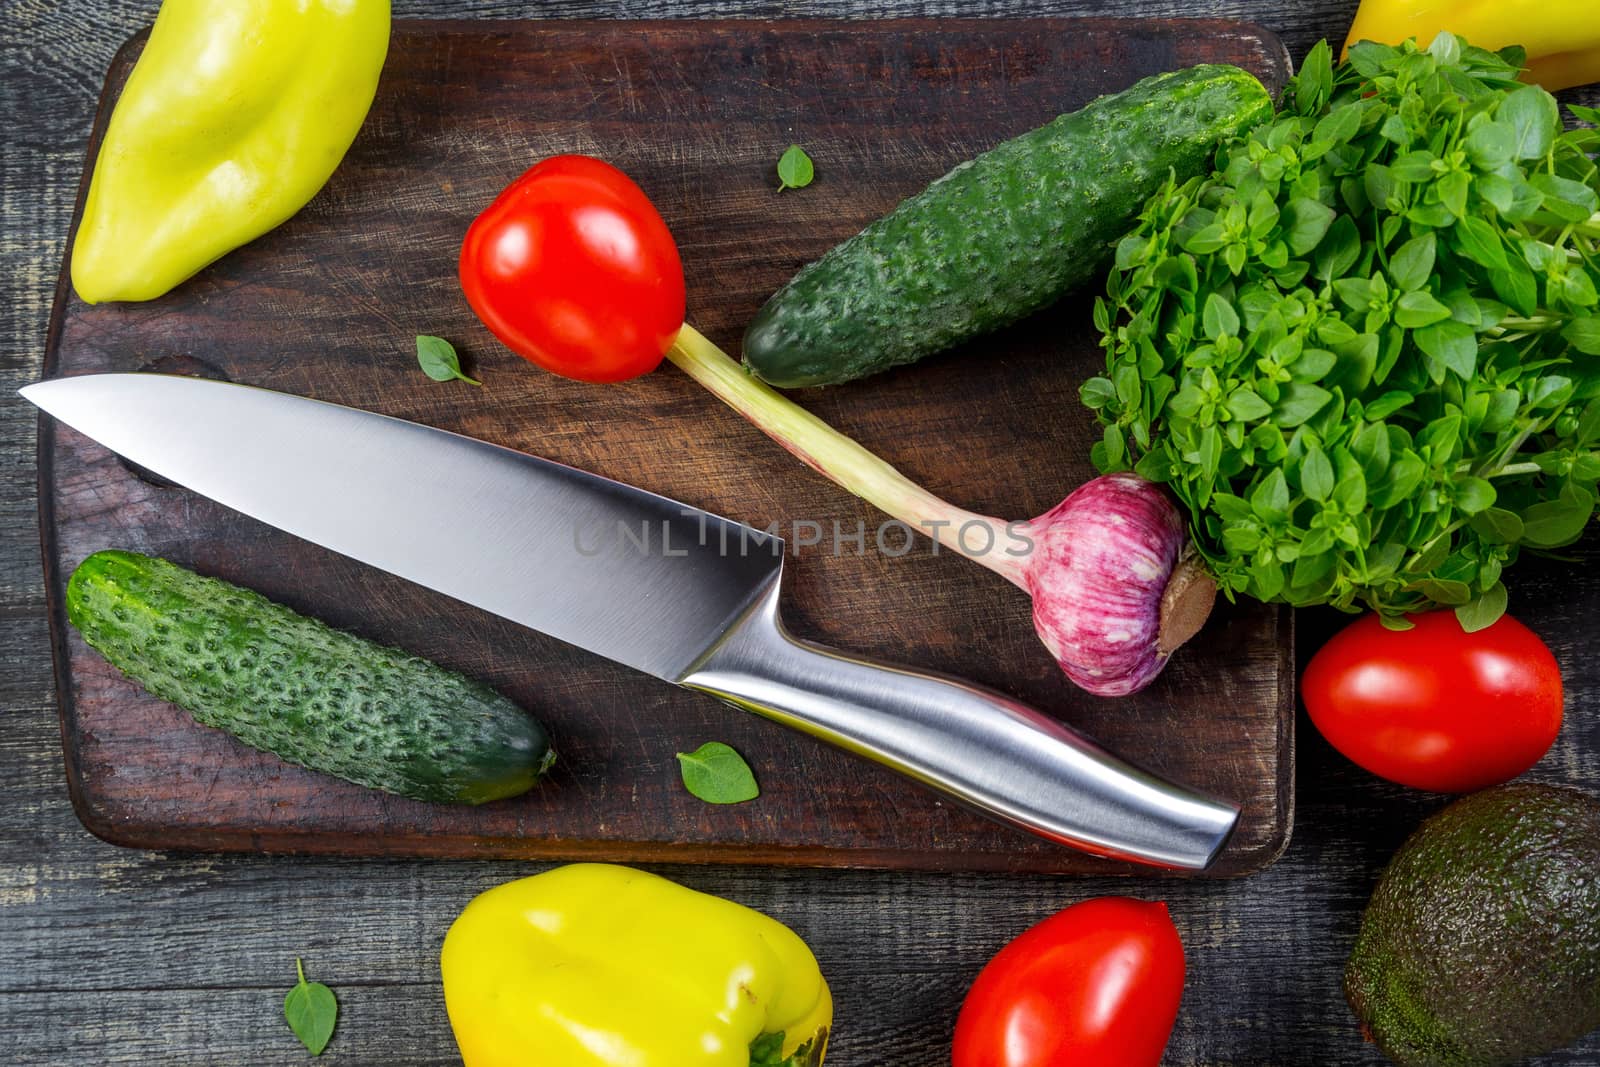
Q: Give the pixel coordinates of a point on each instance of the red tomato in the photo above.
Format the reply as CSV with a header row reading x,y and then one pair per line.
x,y
573,268
1096,985
1435,707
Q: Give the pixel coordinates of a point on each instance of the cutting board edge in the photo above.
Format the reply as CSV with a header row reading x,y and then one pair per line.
x,y
125,832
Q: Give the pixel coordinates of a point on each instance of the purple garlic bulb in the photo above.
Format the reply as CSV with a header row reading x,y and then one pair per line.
x,y
1113,592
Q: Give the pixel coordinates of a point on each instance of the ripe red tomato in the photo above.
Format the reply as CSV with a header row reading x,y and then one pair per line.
x,y
574,269
1435,707
1096,985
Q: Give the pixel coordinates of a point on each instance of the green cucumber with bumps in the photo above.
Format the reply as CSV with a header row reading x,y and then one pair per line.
x,y
1000,236
298,688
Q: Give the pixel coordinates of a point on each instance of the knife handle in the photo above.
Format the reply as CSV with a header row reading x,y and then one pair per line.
x,y
998,755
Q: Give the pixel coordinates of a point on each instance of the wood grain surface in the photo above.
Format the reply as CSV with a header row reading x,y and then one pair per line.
x,y
697,113
117,956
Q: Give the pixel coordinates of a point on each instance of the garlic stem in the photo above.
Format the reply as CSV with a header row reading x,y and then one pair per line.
x,y
843,460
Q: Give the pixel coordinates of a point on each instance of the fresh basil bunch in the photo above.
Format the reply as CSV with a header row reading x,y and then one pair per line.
x,y
1365,352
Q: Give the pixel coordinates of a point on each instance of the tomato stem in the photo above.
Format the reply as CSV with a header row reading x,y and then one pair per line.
x,y
844,460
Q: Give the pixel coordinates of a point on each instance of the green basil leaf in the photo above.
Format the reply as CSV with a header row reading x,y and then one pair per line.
x,y
1534,120
1485,611
1566,199
1445,591
1419,309
1219,318
1305,222
1313,84
795,169
1116,449
1553,523
1396,623
1453,189
1517,287
438,360
1270,500
1588,429
717,774
1452,344
1298,402
1473,495
1412,264
1497,526
312,1010
1388,404
1584,335
1096,393
1491,145
1316,475
1414,167
1246,404
1480,242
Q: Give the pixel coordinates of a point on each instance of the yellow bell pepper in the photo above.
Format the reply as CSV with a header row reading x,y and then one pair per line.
x,y
594,965
236,113
1562,37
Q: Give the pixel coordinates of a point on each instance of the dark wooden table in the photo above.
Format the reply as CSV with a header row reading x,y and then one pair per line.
x,y
116,956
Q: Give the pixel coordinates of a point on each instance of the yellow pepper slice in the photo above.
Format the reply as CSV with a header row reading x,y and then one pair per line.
x,y
595,965
1562,36
236,113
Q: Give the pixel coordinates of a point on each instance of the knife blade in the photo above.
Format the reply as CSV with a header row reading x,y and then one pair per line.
x,y
668,589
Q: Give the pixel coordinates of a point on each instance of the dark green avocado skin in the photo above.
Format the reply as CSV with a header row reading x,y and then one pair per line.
x,y
1000,236
1481,945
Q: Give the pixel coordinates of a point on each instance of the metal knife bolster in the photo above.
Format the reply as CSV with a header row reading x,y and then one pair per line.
x,y
992,753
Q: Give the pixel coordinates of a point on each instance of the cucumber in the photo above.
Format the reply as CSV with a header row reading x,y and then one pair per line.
x,y
310,694
1000,236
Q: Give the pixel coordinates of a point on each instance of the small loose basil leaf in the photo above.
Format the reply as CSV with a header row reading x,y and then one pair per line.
x,y
1412,263
1534,120
439,361
1485,611
1397,623
717,774
795,170
1584,335
312,1011
1497,526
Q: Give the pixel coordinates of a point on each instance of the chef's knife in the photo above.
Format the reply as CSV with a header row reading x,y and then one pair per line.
x,y
656,585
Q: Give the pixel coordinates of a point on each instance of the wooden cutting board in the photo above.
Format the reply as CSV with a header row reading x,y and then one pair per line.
x,y
697,113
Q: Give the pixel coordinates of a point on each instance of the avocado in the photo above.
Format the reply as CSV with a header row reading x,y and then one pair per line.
x,y
1481,945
